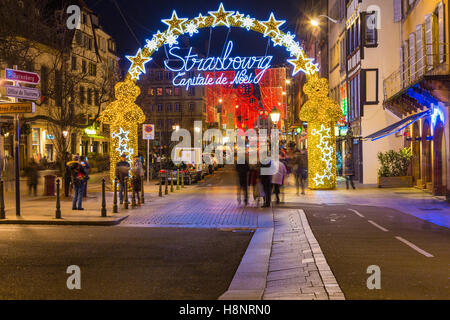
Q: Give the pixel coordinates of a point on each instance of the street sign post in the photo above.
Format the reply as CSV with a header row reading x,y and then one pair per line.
x,y
18,107
21,92
148,133
22,76
17,92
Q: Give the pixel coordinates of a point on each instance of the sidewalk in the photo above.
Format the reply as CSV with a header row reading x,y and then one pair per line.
x,y
41,209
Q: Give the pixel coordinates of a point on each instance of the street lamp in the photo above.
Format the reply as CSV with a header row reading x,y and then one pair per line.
x,y
275,115
176,127
65,133
315,21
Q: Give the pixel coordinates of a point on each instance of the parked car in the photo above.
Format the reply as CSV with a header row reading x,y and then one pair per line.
x,y
188,171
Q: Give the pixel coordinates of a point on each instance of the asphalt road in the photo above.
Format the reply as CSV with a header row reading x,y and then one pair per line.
x,y
413,254
118,263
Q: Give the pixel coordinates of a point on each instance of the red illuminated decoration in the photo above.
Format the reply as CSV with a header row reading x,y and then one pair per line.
x,y
245,103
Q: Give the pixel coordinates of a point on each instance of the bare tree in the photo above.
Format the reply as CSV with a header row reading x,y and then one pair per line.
x,y
74,93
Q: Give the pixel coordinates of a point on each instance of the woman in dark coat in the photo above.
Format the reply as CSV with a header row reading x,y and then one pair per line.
x,y
349,170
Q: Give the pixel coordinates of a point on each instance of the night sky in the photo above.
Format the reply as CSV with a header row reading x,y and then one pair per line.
x,y
144,18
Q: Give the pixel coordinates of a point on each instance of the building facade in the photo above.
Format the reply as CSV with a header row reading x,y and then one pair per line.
x,y
77,81
418,92
169,107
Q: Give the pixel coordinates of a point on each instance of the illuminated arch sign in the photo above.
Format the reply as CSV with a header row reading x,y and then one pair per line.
x,y
320,111
242,65
178,26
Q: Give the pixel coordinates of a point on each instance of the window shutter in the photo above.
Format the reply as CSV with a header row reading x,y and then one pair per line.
x,y
429,45
419,50
412,56
397,10
441,27
402,65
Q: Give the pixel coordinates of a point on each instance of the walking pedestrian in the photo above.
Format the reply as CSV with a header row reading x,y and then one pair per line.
x,y
137,174
78,175
9,173
85,163
31,172
349,170
122,172
300,169
242,171
278,179
253,179
266,181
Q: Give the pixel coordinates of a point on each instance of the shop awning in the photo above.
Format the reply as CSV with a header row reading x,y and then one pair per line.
x,y
398,126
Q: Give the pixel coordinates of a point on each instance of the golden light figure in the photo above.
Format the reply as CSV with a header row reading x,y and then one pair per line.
x,y
321,113
123,117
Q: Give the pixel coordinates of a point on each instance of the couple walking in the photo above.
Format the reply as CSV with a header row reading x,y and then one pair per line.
x,y
262,185
123,169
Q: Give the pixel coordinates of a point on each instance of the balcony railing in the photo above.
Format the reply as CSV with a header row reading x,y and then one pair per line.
x,y
410,73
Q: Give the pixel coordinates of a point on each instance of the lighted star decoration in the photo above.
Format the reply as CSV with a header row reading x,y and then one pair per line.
x,y
201,20
121,135
159,37
272,25
178,26
175,23
303,64
138,61
135,74
238,17
327,155
221,16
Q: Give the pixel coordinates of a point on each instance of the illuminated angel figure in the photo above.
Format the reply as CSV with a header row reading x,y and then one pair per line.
x,y
321,113
123,117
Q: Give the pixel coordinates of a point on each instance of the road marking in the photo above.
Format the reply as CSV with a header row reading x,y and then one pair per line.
x,y
378,226
412,245
359,214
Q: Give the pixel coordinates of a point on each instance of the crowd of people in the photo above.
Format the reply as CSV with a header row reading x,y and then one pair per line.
x,y
293,161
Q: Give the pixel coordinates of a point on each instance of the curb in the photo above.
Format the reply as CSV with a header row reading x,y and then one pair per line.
x,y
249,281
331,286
65,222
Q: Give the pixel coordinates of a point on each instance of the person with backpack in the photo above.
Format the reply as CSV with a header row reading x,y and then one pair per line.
x,y
79,178
122,172
85,163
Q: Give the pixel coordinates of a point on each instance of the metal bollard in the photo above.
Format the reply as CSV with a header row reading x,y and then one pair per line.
x,y
182,179
166,191
171,180
103,198
142,191
115,208
125,187
2,201
160,185
58,201
133,199
178,179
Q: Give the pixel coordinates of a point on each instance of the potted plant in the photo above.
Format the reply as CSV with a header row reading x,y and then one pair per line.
x,y
393,172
